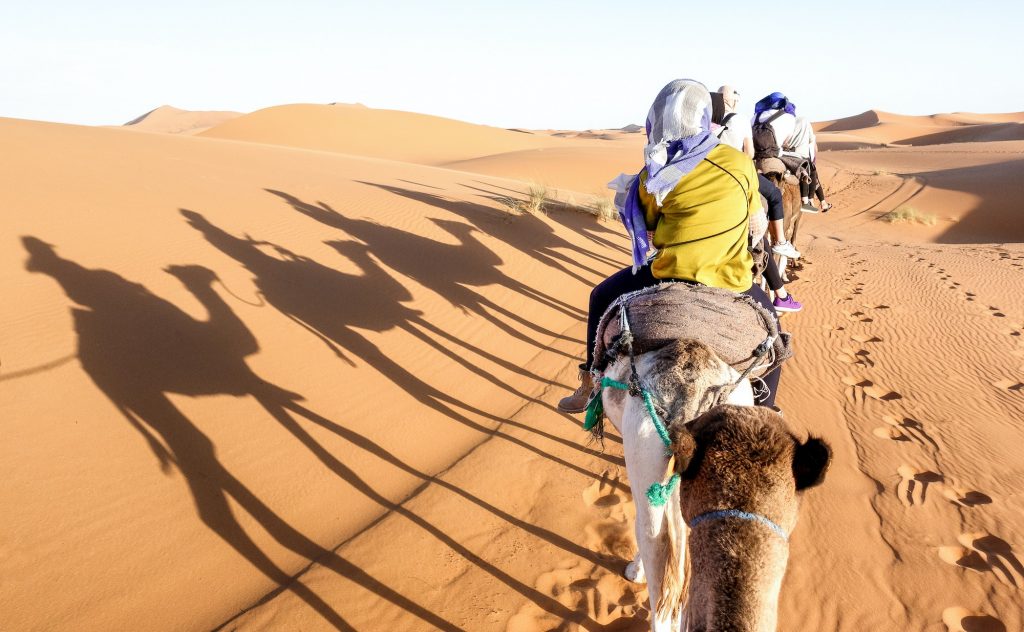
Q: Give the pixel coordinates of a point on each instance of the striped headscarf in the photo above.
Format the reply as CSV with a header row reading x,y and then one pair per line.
x,y
678,138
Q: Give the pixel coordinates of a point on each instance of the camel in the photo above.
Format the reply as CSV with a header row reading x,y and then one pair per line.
x,y
775,170
680,377
741,477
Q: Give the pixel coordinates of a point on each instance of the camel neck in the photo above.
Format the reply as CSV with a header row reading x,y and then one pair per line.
x,y
735,587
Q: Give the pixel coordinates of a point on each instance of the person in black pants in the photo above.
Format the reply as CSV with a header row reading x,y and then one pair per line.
x,y
784,301
776,218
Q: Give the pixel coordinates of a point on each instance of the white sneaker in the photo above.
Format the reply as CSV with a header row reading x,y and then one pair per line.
x,y
786,249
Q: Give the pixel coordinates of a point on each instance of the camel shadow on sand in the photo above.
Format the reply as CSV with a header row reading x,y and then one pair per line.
x,y
138,348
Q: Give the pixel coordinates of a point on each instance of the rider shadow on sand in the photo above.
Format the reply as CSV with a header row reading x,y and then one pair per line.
x,y
576,220
331,304
138,347
529,235
446,269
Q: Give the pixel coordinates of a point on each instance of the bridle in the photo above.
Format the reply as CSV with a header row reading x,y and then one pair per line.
x,y
722,514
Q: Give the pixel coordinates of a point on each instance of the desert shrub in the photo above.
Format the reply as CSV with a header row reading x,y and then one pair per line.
x,y
909,215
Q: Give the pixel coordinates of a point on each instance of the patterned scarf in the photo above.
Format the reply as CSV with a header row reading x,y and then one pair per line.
x,y
678,138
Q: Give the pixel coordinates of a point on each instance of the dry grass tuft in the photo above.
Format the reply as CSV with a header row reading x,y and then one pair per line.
x,y
537,199
542,199
602,208
909,215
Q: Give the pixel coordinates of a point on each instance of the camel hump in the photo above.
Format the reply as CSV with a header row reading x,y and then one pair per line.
x,y
733,325
770,165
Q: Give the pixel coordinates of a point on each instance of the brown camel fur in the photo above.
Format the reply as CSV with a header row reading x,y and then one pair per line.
x,y
740,458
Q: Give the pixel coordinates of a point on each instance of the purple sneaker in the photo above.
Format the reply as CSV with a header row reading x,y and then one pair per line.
x,y
788,304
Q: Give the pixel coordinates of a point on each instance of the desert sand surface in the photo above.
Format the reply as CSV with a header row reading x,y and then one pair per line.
x,y
264,379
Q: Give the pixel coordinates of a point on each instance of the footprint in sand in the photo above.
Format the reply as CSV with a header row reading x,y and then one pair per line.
x,y
604,492
597,593
601,597
964,558
959,619
905,429
868,388
860,357
983,552
966,497
862,338
913,486
1009,385
610,533
859,316
607,492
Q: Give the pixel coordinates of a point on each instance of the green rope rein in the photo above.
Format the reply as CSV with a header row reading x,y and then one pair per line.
x,y
658,493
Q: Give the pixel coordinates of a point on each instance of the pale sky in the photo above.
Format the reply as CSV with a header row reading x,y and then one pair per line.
x,y
525,63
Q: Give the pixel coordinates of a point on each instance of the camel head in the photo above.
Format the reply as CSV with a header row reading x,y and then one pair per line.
x,y
192,275
742,473
41,255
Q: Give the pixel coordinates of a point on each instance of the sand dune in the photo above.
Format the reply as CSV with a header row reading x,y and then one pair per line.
x,y
264,385
171,120
582,169
877,127
376,133
969,189
971,134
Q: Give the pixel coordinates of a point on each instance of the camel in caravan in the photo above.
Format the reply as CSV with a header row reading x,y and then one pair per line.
x,y
775,170
652,397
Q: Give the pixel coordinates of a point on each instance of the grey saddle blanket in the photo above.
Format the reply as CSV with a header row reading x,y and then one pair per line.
x,y
783,165
734,325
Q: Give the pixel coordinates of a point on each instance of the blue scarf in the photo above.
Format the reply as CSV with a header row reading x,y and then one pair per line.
x,y
774,101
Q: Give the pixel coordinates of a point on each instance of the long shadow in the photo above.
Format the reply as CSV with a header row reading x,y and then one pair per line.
x,y
359,254
137,348
332,304
529,234
576,221
450,270
989,221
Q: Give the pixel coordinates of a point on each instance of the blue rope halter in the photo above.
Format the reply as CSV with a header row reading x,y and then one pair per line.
x,y
742,515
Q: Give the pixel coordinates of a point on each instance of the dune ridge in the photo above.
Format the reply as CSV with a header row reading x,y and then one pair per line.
x,y
875,127
171,120
388,134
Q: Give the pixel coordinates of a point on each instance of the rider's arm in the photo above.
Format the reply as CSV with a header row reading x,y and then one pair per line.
x,y
748,146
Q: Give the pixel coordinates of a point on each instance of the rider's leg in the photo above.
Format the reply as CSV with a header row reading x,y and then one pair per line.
x,y
771,380
601,298
605,293
771,274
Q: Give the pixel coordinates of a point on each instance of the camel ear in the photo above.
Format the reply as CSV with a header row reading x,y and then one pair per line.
x,y
683,447
810,462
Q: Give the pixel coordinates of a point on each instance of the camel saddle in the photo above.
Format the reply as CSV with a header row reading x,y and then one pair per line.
x,y
785,166
733,325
